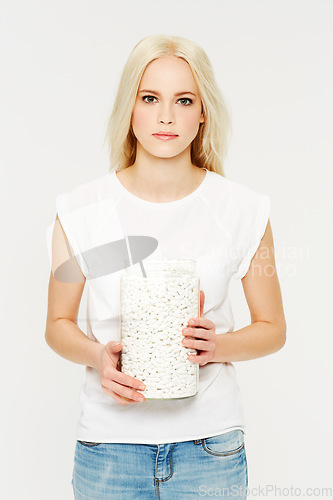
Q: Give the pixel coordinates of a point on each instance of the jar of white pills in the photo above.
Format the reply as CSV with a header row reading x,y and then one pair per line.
x,y
157,299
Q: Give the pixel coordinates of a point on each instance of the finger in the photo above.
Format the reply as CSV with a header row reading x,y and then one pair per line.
x,y
126,380
200,358
113,347
122,390
120,399
201,322
197,333
202,345
128,401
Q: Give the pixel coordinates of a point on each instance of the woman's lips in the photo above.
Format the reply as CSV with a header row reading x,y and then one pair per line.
x,y
165,137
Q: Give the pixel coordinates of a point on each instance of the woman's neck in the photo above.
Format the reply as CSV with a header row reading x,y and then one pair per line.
x,y
161,185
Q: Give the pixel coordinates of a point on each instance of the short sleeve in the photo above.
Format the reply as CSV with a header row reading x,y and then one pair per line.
x,y
71,222
255,223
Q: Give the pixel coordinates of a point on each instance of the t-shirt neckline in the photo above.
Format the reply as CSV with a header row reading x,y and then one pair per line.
x,y
166,203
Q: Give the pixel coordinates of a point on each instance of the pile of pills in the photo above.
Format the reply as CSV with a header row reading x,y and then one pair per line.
x,y
154,311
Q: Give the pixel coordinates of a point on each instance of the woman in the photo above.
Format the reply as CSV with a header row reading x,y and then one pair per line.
x,y
174,190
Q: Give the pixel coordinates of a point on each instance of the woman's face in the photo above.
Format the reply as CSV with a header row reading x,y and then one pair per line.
x,y
158,107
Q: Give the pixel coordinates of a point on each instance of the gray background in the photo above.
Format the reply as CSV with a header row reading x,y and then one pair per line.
x,y
61,63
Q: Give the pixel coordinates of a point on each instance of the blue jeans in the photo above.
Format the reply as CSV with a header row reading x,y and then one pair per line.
x,y
213,466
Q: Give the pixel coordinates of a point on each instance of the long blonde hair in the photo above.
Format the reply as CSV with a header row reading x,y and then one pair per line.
x,y
209,148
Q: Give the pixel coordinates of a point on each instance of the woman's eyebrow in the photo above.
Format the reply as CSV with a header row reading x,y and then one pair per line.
x,y
157,93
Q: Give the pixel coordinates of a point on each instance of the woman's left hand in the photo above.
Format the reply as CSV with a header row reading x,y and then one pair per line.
x,y
200,336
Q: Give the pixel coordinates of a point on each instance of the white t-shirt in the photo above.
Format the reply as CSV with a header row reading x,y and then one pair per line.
x,y
219,225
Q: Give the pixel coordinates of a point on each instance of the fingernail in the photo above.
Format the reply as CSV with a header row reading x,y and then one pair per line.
x,y
191,322
142,387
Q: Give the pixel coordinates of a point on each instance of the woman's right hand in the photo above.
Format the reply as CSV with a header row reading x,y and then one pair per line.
x,y
121,387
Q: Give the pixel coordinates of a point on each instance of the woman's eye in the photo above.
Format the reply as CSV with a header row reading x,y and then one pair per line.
x,y
148,96
152,97
186,99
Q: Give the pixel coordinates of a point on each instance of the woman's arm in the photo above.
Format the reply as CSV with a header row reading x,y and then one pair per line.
x,y
267,332
62,333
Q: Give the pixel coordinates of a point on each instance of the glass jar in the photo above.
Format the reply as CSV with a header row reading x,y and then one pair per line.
x,y
154,310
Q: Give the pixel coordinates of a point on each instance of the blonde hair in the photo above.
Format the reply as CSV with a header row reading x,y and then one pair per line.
x,y
209,148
